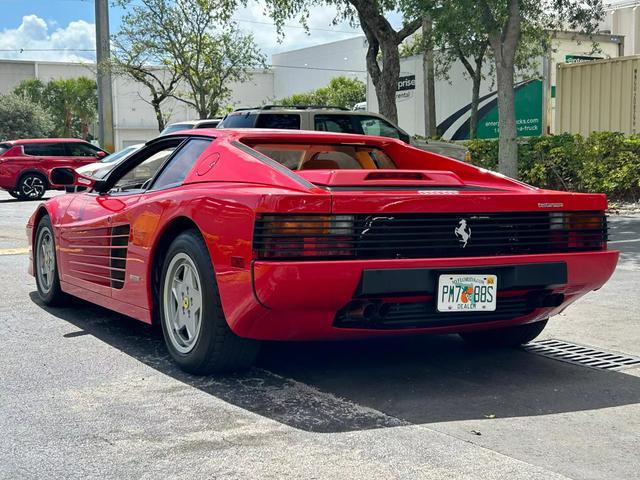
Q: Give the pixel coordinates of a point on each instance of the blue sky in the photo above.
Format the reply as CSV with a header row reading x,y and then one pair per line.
x,y
67,26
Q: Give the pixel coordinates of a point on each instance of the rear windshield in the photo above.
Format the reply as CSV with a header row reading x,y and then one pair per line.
x,y
239,120
325,157
176,128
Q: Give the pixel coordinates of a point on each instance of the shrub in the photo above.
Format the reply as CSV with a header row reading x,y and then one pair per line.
x,y
604,162
21,118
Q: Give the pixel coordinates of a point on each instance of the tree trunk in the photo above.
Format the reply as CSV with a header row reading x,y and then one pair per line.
x,y
475,100
428,69
507,145
159,116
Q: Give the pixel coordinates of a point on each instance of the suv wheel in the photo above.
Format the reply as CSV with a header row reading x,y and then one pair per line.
x,y
32,186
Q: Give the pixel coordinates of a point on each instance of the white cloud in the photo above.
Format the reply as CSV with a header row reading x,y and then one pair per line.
x,y
34,33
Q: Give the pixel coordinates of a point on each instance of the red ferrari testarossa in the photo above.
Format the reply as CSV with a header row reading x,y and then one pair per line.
x,y
229,237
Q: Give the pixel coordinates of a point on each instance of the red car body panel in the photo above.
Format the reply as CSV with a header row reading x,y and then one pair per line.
x,y
14,163
228,187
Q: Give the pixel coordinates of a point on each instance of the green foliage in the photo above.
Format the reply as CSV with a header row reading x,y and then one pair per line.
x,y
341,92
22,118
72,103
606,162
203,51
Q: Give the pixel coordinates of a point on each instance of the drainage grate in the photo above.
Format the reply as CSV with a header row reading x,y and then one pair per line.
x,y
581,355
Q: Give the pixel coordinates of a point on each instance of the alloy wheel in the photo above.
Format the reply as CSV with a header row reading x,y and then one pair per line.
x,y
182,303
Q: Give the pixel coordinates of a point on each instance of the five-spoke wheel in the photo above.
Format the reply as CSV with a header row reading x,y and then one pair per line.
x,y
193,324
183,302
45,265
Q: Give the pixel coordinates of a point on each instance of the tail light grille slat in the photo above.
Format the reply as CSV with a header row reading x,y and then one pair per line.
x,y
427,235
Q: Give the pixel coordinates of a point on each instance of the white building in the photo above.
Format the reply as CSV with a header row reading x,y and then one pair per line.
x,y
133,117
623,18
294,71
298,71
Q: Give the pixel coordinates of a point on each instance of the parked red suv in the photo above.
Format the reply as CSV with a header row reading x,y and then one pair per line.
x,y
25,164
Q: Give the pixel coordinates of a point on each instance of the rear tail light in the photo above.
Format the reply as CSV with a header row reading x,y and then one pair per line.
x,y
580,230
294,236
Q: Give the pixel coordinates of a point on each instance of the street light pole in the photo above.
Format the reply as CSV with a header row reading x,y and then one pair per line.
x,y
105,98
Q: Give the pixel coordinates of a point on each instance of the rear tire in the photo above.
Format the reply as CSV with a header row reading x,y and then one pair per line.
x,y
193,324
505,337
14,193
31,186
45,265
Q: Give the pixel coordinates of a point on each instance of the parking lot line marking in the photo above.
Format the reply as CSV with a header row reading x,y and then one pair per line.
x,y
626,241
14,251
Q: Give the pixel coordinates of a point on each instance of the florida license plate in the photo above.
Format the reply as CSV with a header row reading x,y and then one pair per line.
x,y
467,293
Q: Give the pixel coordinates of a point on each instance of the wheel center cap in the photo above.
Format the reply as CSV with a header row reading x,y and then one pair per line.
x,y
185,303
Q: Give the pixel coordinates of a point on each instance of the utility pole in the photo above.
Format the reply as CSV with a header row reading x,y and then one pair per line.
x,y
430,129
103,56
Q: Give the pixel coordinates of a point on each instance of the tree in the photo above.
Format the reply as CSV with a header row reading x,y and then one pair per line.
x,y
503,22
458,35
22,118
341,92
197,43
72,103
31,89
383,59
134,57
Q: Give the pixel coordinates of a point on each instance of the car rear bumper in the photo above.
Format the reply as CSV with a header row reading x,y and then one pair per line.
x,y
304,300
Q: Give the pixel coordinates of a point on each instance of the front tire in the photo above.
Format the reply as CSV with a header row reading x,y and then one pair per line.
x,y
14,193
505,337
32,186
45,266
193,324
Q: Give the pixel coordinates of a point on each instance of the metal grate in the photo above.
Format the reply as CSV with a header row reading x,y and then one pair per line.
x,y
581,355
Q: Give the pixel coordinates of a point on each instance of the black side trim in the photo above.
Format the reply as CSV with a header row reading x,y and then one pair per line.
x,y
456,188
272,163
423,281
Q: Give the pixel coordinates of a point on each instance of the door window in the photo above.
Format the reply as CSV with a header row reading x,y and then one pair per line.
x,y
143,172
45,149
181,164
82,149
334,123
377,126
288,121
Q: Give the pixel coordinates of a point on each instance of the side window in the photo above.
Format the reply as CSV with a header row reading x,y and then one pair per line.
x,y
334,123
379,127
145,171
81,150
288,121
239,120
45,149
181,164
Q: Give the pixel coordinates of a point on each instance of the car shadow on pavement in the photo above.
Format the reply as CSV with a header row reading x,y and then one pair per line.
x,y
347,386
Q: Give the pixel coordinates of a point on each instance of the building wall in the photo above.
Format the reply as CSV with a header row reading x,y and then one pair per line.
x,y
134,118
454,93
310,68
624,19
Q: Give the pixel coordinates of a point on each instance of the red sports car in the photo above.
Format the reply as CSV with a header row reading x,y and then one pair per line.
x,y
229,237
25,164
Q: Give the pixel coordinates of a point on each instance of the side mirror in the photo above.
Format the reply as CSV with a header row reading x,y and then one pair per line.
x,y
68,177
101,154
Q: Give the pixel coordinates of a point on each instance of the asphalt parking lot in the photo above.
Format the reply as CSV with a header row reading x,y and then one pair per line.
x,y
86,393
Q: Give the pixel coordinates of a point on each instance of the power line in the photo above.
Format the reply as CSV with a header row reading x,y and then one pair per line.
x,y
318,29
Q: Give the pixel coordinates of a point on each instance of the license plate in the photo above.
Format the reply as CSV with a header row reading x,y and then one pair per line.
x,y
467,293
